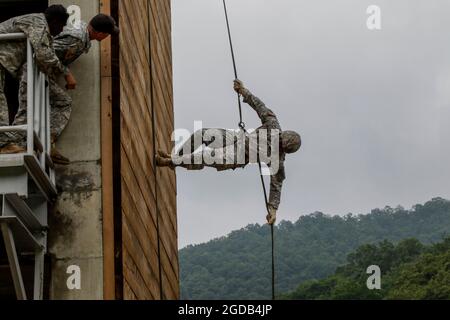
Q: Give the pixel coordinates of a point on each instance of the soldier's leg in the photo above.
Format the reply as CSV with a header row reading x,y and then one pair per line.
x,y
215,138
4,114
8,140
224,145
193,165
60,102
220,159
21,115
61,109
229,157
190,163
15,142
225,158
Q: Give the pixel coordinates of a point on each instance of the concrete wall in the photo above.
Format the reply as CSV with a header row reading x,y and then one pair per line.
x,y
76,221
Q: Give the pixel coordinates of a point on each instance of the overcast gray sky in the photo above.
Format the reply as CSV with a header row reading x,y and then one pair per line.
x,y
373,107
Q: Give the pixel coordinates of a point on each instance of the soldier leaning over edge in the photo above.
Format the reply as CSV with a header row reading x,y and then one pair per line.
x,y
39,29
69,45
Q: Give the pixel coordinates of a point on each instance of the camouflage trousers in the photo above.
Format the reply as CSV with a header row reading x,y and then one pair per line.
x,y
223,145
4,115
60,111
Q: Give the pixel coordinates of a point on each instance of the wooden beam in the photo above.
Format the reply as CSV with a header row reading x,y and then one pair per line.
x,y
107,163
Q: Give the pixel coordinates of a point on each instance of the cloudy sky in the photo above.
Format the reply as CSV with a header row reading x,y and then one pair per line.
x,y
373,107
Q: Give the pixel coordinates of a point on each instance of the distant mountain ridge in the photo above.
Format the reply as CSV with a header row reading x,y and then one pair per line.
x,y
238,266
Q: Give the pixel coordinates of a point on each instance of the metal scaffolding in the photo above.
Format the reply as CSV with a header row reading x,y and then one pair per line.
x,y
27,182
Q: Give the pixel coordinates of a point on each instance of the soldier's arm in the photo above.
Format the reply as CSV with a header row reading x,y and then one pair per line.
x,y
66,47
41,41
276,184
265,114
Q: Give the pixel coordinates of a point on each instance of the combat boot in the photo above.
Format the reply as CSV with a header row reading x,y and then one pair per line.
x,y
12,148
164,160
57,157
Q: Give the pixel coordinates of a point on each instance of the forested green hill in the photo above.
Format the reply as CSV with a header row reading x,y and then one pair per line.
x,y
239,266
409,270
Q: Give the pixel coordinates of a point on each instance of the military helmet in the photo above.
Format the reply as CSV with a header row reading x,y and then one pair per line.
x,y
290,141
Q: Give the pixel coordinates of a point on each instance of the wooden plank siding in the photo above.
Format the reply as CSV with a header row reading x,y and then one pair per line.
x,y
149,219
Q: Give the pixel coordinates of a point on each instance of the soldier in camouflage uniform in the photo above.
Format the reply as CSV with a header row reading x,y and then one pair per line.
x,y
276,140
69,45
39,29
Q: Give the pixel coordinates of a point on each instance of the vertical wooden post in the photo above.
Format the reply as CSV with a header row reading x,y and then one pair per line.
x,y
107,163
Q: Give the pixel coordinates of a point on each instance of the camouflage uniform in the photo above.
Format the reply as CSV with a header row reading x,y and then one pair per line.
x,y
60,103
4,115
69,45
72,43
230,140
13,54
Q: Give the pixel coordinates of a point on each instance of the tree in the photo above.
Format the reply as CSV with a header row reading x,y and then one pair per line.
x,y
311,248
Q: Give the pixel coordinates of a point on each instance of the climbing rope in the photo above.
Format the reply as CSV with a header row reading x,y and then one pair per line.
x,y
241,122
242,127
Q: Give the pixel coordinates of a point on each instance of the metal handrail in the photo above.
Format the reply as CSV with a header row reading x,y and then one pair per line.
x,y
16,215
38,108
12,36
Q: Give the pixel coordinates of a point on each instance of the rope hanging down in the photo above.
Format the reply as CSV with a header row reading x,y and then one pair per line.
x,y
242,127
241,122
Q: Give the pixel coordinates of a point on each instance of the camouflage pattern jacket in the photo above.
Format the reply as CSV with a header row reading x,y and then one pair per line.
x,y
72,43
269,122
13,54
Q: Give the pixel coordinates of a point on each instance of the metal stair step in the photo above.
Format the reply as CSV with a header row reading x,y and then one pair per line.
x,y
25,241
41,178
24,212
32,166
